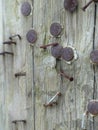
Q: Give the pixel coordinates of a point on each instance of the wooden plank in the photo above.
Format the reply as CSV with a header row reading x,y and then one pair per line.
x,y
2,79
47,81
84,82
20,125
79,26
42,81
15,88
78,32
95,68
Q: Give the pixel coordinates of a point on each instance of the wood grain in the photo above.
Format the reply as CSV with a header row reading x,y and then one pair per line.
x,y
22,97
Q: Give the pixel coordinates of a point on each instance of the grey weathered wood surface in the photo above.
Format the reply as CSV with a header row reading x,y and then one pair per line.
x,y
22,98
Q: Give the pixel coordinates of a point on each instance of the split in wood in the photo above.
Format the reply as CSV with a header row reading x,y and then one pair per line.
x,y
15,121
51,101
45,46
66,76
20,74
91,1
9,42
16,35
5,52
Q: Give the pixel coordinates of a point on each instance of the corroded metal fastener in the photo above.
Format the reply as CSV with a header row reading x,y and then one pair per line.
x,y
91,1
92,109
56,51
9,42
66,76
26,8
31,36
50,104
55,29
16,35
51,101
69,54
15,121
5,52
51,44
20,74
94,57
70,5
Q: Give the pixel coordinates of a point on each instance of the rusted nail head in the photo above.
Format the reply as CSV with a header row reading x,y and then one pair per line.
x,y
93,107
59,94
56,51
55,29
31,36
94,56
70,5
67,54
26,9
71,78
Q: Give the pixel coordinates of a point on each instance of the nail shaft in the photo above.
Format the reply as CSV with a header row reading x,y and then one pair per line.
x,y
20,74
87,5
19,121
9,42
57,94
50,103
5,52
66,76
45,46
17,35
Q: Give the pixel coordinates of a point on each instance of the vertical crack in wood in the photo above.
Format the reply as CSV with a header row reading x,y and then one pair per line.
x,y
94,48
75,98
94,84
94,29
33,87
33,81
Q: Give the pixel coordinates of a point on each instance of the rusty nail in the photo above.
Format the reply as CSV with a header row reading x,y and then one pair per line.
x,y
26,8
67,54
16,35
9,42
66,76
94,57
93,107
57,94
88,4
56,51
55,29
19,121
46,105
20,74
50,103
70,5
31,36
51,44
84,8
5,52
